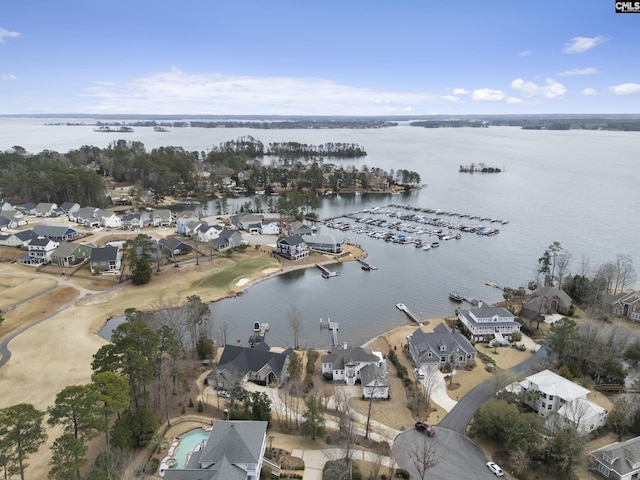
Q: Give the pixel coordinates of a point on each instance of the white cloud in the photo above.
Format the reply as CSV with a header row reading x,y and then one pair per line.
x,y
514,100
7,34
488,95
550,89
582,44
8,76
460,91
626,89
579,71
525,53
589,92
175,92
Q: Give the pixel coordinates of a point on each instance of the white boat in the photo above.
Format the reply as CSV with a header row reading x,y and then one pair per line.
x,y
426,246
435,244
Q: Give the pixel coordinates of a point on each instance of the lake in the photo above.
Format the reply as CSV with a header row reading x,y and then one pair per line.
x,y
576,187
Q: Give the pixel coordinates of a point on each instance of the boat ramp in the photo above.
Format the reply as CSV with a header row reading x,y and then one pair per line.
x,y
402,307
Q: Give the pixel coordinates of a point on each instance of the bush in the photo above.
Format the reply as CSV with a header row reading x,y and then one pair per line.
x,y
402,473
516,336
200,406
327,376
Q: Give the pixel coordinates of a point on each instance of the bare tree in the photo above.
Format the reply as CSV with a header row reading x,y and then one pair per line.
x,y
225,330
429,383
424,455
295,322
171,313
562,262
624,272
585,266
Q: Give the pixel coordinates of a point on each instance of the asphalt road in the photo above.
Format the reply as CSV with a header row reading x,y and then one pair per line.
x,y
458,456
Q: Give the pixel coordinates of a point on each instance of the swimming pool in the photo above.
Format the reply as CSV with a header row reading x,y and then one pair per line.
x,y
188,442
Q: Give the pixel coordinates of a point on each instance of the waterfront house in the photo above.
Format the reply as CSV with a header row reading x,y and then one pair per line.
x,y
226,240
323,243
345,364
234,450
483,324
248,222
40,251
70,254
259,365
161,218
205,233
546,301
183,219
620,460
625,305
292,247
269,227
561,402
374,381
105,259
133,221
440,348
299,228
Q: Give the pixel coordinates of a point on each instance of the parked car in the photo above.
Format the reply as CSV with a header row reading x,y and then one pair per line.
x,y
424,428
224,393
495,469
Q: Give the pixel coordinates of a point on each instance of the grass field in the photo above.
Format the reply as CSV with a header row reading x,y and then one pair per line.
x,y
232,274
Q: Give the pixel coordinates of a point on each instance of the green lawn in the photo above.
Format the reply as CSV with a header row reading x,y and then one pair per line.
x,y
230,276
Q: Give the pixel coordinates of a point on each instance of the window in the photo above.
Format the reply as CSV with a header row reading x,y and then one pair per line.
x,y
549,407
544,405
550,397
603,470
544,395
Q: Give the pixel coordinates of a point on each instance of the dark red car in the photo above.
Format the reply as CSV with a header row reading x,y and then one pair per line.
x,y
424,428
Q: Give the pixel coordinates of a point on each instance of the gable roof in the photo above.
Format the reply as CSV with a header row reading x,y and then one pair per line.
x,y
440,341
66,249
53,231
623,455
246,359
291,240
345,356
104,254
373,373
550,292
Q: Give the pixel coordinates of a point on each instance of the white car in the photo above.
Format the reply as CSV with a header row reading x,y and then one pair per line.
x,y
495,469
224,393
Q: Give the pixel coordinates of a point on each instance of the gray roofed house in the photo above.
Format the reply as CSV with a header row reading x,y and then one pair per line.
x,y
105,259
324,243
28,208
161,218
226,240
174,246
625,304
292,247
70,254
259,365
45,209
58,233
345,364
620,460
299,228
440,348
185,218
6,223
68,207
5,206
374,381
234,450
85,216
547,300
486,323
249,222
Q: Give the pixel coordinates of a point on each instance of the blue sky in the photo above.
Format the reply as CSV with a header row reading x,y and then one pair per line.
x,y
304,57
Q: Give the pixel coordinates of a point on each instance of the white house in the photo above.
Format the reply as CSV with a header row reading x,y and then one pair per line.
x,y
561,402
45,209
620,460
40,251
374,381
486,323
109,219
269,227
347,365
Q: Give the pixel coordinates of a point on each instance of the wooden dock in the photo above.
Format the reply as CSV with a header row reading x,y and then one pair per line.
x,y
326,273
402,307
333,328
366,265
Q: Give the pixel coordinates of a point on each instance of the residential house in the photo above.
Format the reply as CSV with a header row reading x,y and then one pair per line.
x,y
161,218
226,240
546,301
482,323
299,228
234,450
183,219
40,251
440,348
259,365
625,305
174,246
561,402
374,381
28,208
248,222
108,218
345,364
324,243
206,233
269,227
45,209
69,207
18,239
292,247
85,216
15,219
620,460
59,233
70,254
105,259
133,221
7,223
6,206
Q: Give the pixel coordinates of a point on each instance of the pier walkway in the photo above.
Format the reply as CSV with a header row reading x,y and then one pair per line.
x,y
402,307
333,328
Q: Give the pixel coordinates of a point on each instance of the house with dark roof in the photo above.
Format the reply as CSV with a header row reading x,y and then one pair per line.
x,y
546,301
373,379
234,450
324,243
7,223
299,228
27,208
68,207
482,323
6,206
40,251
18,239
625,305
45,209
226,240
620,460
105,259
174,246
85,216
70,254
292,247
345,364
59,233
440,348
249,222
259,365
161,218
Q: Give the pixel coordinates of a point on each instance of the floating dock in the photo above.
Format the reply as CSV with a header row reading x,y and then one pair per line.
x,y
366,265
402,307
333,328
326,273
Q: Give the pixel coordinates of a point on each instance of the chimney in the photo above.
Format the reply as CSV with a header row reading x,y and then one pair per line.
x,y
226,414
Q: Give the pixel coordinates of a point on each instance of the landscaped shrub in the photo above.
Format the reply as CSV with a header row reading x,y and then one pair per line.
x,y
327,376
402,473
